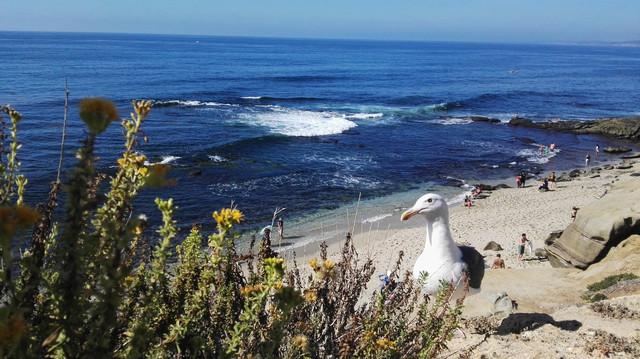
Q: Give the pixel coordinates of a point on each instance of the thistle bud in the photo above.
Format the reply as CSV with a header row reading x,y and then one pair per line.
x,y
97,113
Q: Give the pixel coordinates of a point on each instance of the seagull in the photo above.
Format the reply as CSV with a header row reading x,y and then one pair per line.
x,y
442,259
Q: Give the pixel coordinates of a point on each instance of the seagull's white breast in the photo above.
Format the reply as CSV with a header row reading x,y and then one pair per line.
x,y
439,264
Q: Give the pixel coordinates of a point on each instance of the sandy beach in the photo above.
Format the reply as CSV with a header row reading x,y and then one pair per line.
x,y
534,284
500,217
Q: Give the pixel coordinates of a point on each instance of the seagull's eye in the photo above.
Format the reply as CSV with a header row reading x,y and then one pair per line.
x,y
430,200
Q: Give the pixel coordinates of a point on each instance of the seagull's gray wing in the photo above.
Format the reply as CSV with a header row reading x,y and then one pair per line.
x,y
475,265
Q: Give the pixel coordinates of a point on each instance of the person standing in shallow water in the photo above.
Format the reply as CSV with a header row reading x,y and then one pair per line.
x,y
587,159
280,228
597,150
523,178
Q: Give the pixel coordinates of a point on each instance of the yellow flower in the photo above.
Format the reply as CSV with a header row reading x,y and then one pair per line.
x,y
142,107
301,341
14,115
227,217
384,343
310,295
97,113
250,289
237,216
368,335
328,265
313,263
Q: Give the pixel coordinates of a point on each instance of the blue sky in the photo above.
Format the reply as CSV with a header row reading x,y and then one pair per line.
x,y
459,20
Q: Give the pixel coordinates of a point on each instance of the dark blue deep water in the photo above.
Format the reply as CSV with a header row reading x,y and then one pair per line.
x,y
309,124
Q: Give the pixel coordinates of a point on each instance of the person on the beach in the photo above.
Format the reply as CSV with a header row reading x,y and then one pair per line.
x,y
280,228
266,233
498,263
467,201
523,178
597,150
552,179
522,243
587,159
518,181
574,213
544,186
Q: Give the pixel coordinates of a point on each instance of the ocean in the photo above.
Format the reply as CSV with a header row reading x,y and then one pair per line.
x,y
311,125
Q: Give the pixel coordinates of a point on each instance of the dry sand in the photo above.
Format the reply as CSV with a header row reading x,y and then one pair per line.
x,y
537,287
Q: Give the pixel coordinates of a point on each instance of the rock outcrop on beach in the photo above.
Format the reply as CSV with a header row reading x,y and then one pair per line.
x,y
493,246
624,127
598,227
624,258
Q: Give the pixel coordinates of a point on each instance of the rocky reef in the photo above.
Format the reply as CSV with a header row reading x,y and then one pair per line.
x,y
627,128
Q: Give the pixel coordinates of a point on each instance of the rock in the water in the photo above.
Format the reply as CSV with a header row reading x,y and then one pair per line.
x,y
502,303
624,127
477,118
575,173
493,246
611,149
540,253
631,156
599,226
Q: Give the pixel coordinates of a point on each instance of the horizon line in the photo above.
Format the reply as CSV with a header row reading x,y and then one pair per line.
x,y
495,42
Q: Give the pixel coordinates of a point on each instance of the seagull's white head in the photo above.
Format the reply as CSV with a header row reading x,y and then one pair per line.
x,y
430,205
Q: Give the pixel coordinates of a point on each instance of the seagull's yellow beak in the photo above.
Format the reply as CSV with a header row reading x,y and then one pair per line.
x,y
408,214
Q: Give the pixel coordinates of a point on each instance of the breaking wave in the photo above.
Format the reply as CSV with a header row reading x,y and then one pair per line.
x,y
298,123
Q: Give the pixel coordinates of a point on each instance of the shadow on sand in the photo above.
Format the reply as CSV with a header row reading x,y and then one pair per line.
x,y
520,322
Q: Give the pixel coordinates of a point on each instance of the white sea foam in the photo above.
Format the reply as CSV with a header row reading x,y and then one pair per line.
x,y
346,180
534,156
251,97
434,107
376,218
163,161
168,159
299,123
365,116
216,158
453,121
193,103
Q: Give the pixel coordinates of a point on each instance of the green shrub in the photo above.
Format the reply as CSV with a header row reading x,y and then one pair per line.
x,y
610,281
86,286
592,298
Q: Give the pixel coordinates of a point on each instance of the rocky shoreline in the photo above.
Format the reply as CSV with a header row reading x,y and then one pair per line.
x,y
626,128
